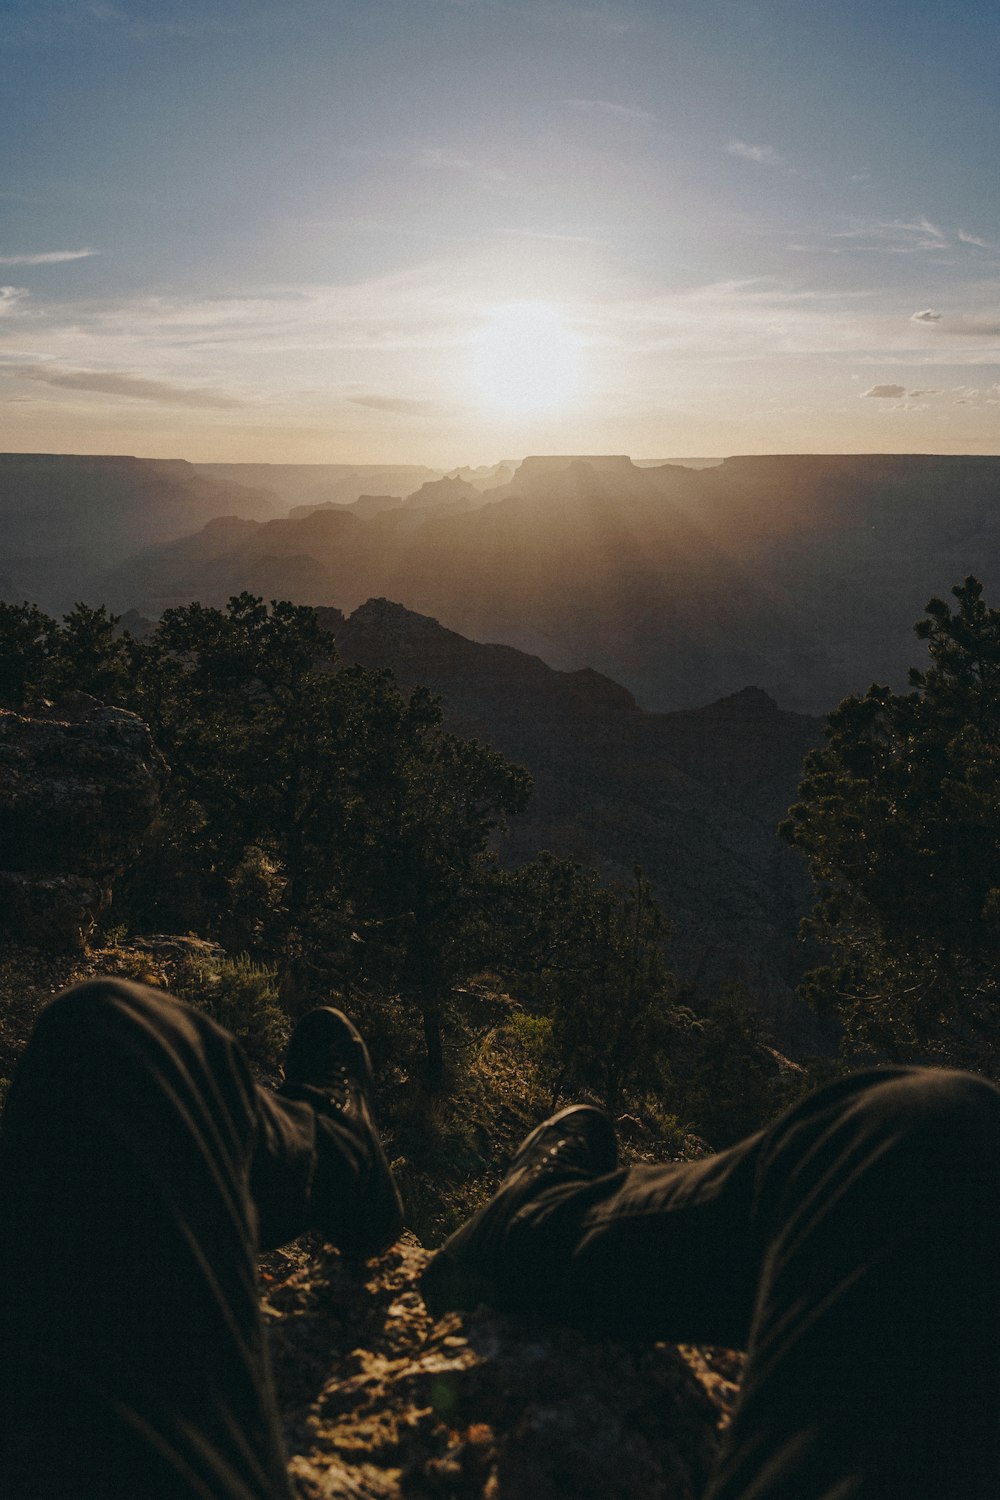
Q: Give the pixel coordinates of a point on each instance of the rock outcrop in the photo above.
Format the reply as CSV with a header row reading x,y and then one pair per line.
x,y
79,786
380,1402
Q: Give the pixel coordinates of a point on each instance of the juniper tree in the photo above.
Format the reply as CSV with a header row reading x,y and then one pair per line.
x,y
899,820
592,959
375,823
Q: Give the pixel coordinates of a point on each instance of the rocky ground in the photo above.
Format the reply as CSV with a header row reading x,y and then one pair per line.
x,y
381,1401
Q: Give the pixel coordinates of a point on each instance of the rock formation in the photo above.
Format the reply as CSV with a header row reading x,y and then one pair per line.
x,y
802,574
79,787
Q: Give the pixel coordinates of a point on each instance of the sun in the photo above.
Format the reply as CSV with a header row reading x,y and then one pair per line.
x,y
525,360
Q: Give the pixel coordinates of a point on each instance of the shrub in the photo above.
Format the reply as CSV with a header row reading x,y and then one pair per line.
x,y
243,997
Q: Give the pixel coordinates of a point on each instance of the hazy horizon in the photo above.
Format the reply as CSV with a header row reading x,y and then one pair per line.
x,y
434,231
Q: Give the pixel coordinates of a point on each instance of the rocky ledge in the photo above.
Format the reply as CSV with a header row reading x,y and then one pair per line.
x,y
79,786
381,1402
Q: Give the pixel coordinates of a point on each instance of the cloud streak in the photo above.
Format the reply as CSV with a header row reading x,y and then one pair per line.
x,y
763,156
136,387
611,111
10,296
46,258
400,405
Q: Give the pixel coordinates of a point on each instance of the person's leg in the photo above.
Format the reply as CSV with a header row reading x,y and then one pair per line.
x,y
874,1355
140,1168
133,1360
853,1248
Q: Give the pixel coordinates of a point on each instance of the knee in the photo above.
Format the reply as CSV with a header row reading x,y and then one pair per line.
x,y
96,1005
940,1109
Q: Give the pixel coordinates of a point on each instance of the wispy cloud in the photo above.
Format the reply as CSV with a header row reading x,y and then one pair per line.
x,y
407,336
46,258
427,157
401,405
896,236
115,383
974,239
886,392
440,158
10,296
965,325
955,395
764,156
976,326
555,236
612,111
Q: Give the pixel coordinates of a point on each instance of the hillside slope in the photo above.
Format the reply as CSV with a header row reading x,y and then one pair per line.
x,y
694,797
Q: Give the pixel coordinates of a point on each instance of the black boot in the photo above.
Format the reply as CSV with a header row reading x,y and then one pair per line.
x,y
327,1064
575,1145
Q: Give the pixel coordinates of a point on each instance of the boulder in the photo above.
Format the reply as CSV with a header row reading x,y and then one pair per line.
x,y
80,785
381,1402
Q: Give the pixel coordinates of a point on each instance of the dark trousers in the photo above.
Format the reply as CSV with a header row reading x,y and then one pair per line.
x,y
852,1248
140,1170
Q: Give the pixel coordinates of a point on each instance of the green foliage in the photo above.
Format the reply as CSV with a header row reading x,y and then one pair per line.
x,y
243,997
326,823
671,1129
533,1036
324,815
26,642
726,1076
40,658
90,656
899,820
592,959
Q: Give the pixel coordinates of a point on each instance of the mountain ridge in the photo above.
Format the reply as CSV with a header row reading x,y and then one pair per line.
x,y
693,797
802,573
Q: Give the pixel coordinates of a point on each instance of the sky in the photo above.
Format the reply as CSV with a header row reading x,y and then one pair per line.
x,y
454,231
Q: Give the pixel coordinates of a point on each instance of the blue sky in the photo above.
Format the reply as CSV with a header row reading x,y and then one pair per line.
x,y
758,226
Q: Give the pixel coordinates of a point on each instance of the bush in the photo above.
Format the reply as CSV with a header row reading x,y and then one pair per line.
x,y
243,997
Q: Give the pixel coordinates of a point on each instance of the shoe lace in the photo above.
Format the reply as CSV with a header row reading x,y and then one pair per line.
x,y
337,1082
552,1157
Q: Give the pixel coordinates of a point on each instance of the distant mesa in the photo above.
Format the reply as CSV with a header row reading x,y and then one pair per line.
x,y
366,506
540,464
449,493
749,702
801,574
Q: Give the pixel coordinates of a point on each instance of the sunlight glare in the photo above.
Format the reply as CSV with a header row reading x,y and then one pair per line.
x,y
525,360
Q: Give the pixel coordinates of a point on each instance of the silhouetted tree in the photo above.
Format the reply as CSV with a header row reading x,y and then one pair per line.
x,y
26,642
592,958
374,823
899,820
88,654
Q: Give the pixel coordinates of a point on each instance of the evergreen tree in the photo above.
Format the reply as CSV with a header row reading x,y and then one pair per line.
x,y
899,820
27,637
374,824
592,959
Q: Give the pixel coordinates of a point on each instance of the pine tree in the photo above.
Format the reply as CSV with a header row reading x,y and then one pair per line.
x,y
899,820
